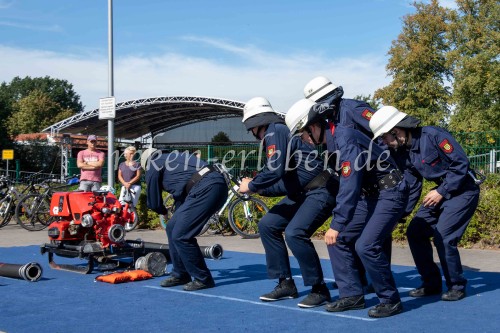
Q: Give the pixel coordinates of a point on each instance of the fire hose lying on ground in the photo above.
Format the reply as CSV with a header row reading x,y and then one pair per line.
x,y
31,272
90,226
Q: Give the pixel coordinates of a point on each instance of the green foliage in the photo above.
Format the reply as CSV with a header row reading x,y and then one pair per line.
x,y
221,137
484,227
374,102
147,218
475,36
418,66
38,156
19,94
483,230
440,47
59,91
35,112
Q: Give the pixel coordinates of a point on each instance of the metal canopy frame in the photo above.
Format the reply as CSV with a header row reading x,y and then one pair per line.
x,y
150,116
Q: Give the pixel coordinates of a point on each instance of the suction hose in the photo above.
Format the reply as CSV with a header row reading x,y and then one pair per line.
x,y
31,272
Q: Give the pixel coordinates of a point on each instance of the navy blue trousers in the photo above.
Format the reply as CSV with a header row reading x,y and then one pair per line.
x,y
298,220
363,240
204,199
446,223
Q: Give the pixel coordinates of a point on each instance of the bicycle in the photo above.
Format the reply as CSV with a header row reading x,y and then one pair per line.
x,y
4,186
32,212
244,212
9,202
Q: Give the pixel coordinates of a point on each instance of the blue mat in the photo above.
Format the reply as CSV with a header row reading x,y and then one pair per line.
x,y
69,302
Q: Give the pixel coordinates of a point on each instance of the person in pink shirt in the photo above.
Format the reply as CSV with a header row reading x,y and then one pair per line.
x,y
90,161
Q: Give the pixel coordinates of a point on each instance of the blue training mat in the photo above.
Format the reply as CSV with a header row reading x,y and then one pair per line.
x,y
70,302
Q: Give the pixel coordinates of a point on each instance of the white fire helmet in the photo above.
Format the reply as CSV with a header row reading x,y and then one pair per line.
x,y
385,119
298,115
318,88
145,156
255,106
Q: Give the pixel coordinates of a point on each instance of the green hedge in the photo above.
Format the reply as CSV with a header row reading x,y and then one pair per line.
x,y
483,230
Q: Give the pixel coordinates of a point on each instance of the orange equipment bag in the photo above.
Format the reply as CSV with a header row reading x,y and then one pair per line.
x,y
120,277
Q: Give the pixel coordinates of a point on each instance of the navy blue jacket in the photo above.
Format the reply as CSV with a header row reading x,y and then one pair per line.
x,y
361,163
352,113
170,172
411,177
435,155
287,170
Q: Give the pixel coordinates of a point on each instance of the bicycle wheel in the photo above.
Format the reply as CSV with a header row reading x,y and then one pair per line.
x,y
33,212
205,228
244,216
6,210
216,224
134,219
169,204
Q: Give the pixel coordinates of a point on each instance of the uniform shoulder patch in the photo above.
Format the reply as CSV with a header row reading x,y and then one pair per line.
x,y
367,114
446,146
346,168
271,149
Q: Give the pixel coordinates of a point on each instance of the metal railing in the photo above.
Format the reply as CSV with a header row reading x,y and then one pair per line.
x,y
486,163
24,176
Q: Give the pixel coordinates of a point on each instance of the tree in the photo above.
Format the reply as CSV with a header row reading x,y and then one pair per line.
x,y
58,91
475,36
418,66
35,112
221,137
374,103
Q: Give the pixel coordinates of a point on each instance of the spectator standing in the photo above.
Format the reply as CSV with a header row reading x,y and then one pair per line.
x,y
90,161
129,175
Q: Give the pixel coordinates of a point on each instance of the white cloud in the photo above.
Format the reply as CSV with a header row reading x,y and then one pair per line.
x,y
52,28
278,77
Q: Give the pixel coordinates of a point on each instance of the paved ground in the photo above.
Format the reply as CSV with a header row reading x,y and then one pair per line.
x,y
477,260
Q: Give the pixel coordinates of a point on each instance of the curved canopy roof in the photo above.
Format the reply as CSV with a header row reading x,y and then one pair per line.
x,y
150,116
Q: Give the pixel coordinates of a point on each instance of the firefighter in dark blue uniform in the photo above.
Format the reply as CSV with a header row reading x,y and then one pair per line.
x,y
345,112
432,153
292,169
371,199
199,191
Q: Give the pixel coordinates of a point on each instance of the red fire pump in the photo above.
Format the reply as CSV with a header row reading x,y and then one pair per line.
x,y
91,226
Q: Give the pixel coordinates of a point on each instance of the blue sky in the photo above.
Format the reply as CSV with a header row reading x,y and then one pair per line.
x,y
227,49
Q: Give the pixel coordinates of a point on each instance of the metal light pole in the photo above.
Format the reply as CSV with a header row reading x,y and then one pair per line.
x,y
111,93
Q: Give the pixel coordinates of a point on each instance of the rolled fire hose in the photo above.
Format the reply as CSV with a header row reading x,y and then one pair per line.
x,y
209,252
155,262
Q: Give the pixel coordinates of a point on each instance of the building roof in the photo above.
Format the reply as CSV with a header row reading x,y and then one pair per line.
x,y
149,116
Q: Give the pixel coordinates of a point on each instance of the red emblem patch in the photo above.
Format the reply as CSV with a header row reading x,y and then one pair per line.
x,y
367,114
271,150
346,168
446,146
